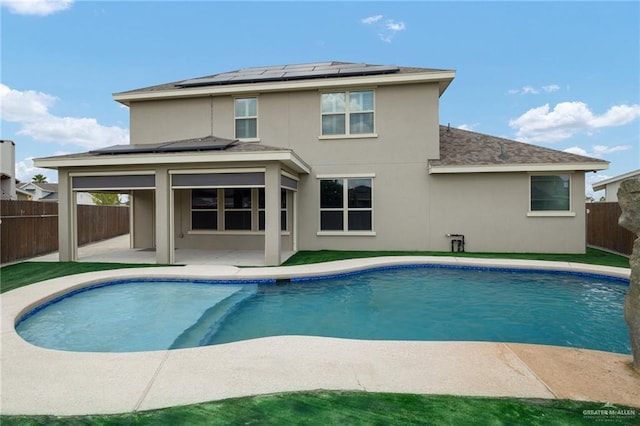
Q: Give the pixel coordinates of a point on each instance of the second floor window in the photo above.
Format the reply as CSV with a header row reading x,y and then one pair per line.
x,y
246,117
348,113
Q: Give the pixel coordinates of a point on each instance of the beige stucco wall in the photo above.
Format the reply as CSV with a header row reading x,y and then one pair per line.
x,y
142,204
170,120
490,209
413,210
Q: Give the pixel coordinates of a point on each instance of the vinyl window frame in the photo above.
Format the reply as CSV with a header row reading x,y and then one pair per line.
x,y
237,118
347,115
345,209
569,212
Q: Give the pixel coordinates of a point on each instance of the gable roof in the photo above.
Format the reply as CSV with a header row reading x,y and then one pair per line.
x,y
44,186
289,77
463,151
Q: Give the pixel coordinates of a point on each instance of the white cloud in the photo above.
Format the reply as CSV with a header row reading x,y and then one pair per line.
x,y
387,29
394,26
601,149
576,150
371,19
551,88
31,110
542,124
597,150
530,90
469,127
25,170
36,7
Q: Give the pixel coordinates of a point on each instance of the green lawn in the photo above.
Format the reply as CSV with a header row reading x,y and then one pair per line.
x,y
24,273
324,408
333,408
592,256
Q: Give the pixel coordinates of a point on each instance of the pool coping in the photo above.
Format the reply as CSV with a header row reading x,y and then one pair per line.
x,y
35,380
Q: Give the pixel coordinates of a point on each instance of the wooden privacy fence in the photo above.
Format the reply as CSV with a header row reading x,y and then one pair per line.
x,y
603,229
30,228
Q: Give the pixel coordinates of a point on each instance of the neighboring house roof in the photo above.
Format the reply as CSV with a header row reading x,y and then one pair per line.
x,y
49,191
463,151
598,186
53,196
47,187
289,77
191,153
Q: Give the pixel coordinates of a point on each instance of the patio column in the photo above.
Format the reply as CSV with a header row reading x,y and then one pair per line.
x,y
163,217
272,215
67,219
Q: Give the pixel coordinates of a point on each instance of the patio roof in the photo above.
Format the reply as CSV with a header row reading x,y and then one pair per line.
x,y
238,151
462,151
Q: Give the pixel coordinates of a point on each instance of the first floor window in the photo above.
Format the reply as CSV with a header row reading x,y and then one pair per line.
x,y
346,204
550,193
237,208
204,209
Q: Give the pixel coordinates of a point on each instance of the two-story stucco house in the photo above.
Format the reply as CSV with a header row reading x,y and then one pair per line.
x,y
327,155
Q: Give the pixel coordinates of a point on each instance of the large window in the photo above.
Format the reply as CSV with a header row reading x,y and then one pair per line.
x,y
550,193
246,117
243,209
348,113
346,204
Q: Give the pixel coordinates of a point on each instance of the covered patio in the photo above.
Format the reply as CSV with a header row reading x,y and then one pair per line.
x,y
118,250
206,198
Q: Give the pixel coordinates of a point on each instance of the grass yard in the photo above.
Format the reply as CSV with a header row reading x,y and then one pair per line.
x,y
325,408
592,256
25,273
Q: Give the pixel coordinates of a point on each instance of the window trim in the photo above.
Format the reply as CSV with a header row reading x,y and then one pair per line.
x,y
345,205
551,213
347,115
256,138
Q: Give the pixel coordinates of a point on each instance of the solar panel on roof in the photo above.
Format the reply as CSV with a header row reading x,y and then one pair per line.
x,y
290,72
202,144
127,149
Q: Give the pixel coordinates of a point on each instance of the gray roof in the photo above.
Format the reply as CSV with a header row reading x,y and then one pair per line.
x,y
45,186
464,148
316,70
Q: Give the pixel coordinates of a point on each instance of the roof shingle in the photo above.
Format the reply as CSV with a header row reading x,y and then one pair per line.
x,y
464,148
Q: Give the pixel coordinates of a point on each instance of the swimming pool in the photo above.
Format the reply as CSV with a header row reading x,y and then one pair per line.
x,y
417,303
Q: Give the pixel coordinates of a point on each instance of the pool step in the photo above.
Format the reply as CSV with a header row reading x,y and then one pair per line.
x,y
207,325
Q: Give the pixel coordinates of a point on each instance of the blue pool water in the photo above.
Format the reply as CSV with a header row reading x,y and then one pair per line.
x,y
396,304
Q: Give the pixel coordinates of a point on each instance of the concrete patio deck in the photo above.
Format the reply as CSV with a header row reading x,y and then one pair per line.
x,y
117,250
43,381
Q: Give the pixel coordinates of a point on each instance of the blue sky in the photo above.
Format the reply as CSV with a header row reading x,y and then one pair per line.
x,y
563,75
